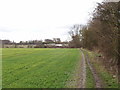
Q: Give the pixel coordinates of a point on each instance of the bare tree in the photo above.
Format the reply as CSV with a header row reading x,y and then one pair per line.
x,y
75,36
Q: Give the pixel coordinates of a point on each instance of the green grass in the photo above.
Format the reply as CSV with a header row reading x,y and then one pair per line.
x,y
73,80
38,68
90,83
108,80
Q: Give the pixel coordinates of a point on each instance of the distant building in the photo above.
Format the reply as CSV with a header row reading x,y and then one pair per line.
x,y
35,44
57,40
53,45
48,41
6,41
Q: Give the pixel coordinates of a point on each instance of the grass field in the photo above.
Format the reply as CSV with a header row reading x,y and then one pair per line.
x,y
38,68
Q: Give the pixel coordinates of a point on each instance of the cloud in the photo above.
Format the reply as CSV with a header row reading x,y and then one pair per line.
x,y
40,19
5,30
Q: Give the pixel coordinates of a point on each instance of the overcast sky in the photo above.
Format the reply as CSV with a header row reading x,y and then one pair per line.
x,y
41,19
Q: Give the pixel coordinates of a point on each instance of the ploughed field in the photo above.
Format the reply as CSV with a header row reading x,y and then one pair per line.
x,y
38,68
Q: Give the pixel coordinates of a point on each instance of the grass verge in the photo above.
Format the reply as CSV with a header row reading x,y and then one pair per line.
x,y
107,78
90,83
89,79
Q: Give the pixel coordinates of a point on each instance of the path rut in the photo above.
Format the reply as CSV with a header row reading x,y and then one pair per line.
x,y
81,83
81,74
98,81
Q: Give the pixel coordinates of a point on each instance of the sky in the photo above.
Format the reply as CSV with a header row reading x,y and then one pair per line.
x,y
22,20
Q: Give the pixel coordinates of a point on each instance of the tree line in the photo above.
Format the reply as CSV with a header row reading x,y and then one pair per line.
x,y
101,33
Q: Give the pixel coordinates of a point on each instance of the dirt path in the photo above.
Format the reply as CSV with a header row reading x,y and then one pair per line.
x,y
81,74
98,81
81,83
